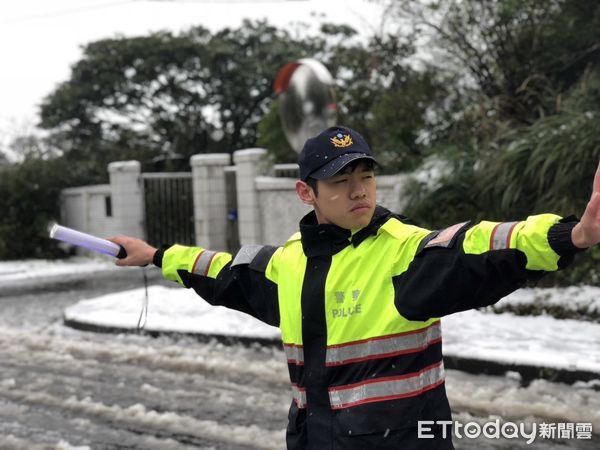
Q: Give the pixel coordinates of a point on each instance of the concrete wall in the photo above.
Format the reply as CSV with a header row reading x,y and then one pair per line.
x,y
280,209
127,200
268,208
85,208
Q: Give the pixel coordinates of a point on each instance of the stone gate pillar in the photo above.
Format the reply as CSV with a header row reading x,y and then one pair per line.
x,y
249,164
126,198
210,200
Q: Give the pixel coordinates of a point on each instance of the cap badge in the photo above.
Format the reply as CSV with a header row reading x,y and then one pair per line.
x,y
341,140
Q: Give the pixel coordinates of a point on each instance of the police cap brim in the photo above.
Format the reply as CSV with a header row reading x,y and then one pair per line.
x,y
333,167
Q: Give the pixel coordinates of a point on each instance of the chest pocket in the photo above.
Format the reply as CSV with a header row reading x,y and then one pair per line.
x,y
359,295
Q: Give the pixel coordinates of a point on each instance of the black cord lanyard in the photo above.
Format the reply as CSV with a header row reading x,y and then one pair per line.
x,y
144,311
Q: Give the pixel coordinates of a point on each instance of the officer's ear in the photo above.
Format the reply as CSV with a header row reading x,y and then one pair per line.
x,y
305,192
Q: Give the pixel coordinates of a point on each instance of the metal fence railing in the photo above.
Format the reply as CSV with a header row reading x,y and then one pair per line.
x,y
286,171
169,208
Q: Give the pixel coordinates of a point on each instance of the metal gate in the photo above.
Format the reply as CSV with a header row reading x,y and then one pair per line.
x,y
169,208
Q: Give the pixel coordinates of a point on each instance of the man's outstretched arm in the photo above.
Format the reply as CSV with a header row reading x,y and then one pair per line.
x,y
241,284
478,264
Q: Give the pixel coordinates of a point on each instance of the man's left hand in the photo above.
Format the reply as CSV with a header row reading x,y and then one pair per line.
x,y
587,232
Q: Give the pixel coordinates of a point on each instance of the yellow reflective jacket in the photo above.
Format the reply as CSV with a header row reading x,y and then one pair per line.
x,y
359,313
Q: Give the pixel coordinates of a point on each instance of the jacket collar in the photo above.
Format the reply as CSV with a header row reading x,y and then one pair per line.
x,y
328,239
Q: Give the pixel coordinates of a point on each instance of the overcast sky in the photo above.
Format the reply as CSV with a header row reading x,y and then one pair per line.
x,y
41,39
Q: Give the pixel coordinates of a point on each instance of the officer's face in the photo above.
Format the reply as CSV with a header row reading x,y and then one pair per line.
x,y
348,198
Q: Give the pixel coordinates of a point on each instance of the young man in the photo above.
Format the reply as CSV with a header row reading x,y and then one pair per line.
x,y
358,292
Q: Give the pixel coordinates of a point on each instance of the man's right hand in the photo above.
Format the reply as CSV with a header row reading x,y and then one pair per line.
x,y
139,253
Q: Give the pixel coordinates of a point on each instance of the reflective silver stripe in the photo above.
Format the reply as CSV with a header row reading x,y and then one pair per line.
x,y
500,239
202,263
397,344
387,388
294,354
246,254
445,236
299,395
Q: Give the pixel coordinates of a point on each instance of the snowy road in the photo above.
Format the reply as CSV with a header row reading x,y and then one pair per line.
x,y
116,392
65,389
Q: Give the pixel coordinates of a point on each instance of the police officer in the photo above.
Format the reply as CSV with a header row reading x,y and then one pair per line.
x,y
358,293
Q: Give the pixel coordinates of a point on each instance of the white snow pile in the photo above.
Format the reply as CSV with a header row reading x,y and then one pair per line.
x,y
529,340
584,300
170,309
38,270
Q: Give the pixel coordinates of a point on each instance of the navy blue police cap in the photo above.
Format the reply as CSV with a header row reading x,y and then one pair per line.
x,y
330,151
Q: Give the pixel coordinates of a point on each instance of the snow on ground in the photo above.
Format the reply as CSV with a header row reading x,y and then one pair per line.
x,y
529,340
505,396
36,269
532,340
478,334
170,309
575,297
581,299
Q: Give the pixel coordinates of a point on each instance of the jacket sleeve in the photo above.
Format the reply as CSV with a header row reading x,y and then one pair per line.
x,y
469,266
242,283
